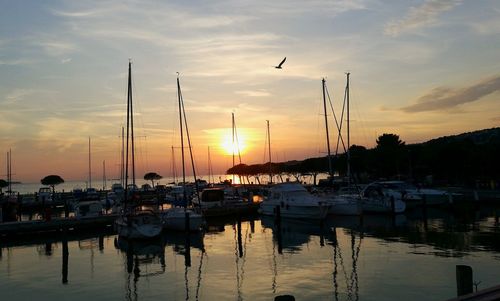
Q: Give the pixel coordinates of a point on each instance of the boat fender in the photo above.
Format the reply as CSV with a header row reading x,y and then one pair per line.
x,y
282,204
287,206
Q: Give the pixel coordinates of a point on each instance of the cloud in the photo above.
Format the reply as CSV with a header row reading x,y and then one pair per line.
x,y
425,15
442,98
257,93
487,26
57,48
16,62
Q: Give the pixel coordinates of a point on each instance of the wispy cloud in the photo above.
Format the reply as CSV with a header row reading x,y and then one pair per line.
x,y
57,48
15,62
421,16
488,26
443,98
254,93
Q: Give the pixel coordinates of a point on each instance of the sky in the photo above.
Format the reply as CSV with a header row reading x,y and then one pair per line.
x,y
419,69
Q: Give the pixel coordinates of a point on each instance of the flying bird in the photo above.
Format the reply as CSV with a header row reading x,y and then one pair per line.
x,y
279,66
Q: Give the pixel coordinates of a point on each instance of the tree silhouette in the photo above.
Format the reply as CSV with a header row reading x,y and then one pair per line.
x,y
152,176
52,181
389,153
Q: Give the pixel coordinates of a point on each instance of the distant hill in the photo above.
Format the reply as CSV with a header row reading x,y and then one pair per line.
x,y
486,136
463,159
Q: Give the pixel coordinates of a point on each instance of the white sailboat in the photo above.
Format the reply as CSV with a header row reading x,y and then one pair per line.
x,y
379,199
182,218
134,222
346,203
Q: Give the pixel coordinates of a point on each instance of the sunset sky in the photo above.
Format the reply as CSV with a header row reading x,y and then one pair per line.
x,y
419,69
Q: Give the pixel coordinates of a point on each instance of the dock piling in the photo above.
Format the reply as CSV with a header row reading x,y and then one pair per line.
x,y
464,280
186,225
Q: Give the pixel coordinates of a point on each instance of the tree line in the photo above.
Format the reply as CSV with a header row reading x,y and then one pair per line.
x,y
464,159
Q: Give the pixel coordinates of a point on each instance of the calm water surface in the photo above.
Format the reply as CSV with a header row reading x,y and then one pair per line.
x,y
409,257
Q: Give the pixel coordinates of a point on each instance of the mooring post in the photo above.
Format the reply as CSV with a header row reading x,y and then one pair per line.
x,y
65,257
277,222
361,217
66,209
464,280
130,257
186,224
101,243
277,214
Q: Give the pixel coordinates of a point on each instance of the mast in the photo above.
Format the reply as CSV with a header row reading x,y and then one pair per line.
x,y
173,165
232,145
122,166
182,115
209,166
182,139
9,170
104,175
90,168
129,96
269,148
132,125
330,171
348,135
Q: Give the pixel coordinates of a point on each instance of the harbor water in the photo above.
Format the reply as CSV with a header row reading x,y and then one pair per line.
x,y
411,257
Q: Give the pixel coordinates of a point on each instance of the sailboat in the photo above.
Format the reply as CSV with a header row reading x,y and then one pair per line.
x,y
134,222
373,199
343,204
180,217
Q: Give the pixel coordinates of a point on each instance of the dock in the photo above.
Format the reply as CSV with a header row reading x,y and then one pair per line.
x,y
489,294
56,224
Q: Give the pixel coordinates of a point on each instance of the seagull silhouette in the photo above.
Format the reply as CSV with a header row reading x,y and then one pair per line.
x,y
279,66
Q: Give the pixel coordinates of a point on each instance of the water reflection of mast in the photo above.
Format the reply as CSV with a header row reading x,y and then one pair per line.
x,y
335,270
133,260
352,284
354,256
240,253
198,284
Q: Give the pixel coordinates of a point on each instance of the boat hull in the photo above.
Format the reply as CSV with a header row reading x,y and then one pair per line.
x,y
175,219
137,229
374,205
293,211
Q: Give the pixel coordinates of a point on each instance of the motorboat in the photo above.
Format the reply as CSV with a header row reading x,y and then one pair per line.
x,y
45,195
378,199
294,201
217,197
414,195
223,201
345,204
175,219
84,209
138,224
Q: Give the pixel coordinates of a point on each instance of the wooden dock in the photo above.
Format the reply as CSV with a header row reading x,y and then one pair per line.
x,y
489,294
56,224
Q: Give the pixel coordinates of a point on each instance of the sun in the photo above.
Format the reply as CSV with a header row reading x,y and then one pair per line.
x,y
229,148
